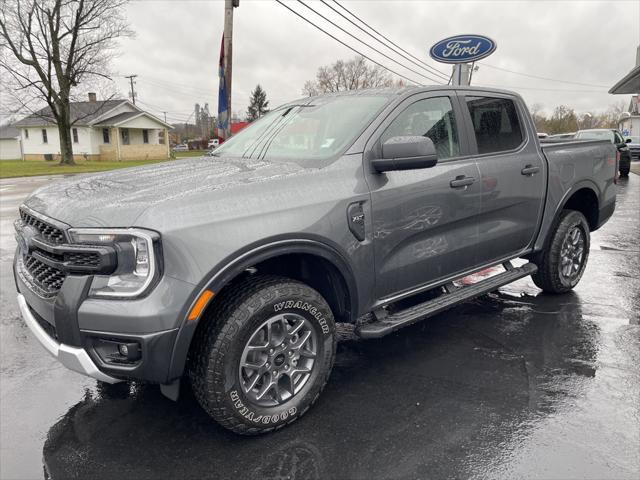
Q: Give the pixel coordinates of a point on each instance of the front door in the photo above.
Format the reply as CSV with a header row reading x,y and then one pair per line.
x,y
512,172
424,225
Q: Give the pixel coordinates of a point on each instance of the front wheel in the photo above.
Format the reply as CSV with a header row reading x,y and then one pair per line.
x,y
562,264
264,356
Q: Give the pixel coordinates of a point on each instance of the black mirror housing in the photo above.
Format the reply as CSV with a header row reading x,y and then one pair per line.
x,y
628,140
406,153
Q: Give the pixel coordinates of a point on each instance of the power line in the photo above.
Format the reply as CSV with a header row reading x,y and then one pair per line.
x,y
396,50
543,78
387,39
348,46
366,44
542,89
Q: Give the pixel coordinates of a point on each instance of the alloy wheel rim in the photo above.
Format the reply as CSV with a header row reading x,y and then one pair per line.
x,y
278,360
572,253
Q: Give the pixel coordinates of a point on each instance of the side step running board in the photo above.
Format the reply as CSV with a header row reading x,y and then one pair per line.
x,y
411,315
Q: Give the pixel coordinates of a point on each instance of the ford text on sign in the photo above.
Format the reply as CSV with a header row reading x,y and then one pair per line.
x,y
462,49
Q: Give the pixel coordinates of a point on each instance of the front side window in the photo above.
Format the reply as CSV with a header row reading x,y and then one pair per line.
x,y
105,135
75,135
44,136
432,118
308,131
495,123
124,133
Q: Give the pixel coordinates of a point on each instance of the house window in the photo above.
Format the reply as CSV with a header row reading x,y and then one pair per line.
x,y
44,136
145,136
124,132
105,135
74,131
26,134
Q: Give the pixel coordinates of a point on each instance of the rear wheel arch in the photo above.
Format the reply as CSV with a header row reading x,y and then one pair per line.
x,y
583,199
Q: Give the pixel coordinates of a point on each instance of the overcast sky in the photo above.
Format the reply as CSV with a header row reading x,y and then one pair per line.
x,y
176,48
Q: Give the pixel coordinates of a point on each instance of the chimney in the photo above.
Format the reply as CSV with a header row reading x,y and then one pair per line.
x,y
92,97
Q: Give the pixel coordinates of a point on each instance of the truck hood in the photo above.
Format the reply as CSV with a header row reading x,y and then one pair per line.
x,y
120,197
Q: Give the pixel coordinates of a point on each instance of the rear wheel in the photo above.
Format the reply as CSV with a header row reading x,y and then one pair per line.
x,y
264,356
562,264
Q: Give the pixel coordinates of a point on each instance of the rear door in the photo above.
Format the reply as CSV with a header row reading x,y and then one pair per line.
x,y
425,226
512,172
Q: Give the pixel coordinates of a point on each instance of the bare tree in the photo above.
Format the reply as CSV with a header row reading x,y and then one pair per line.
x,y
50,47
610,117
343,75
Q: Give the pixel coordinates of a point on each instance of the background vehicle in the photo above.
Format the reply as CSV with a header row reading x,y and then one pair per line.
x,y
361,208
183,147
634,147
614,137
542,135
213,143
563,135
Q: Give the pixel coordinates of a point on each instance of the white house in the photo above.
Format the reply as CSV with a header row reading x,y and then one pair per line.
x,y
9,143
102,130
629,124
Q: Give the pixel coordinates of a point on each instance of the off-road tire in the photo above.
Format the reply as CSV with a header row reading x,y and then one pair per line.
x,y
215,355
548,276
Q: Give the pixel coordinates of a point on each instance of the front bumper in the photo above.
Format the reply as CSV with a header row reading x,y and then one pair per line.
x,y
74,358
80,331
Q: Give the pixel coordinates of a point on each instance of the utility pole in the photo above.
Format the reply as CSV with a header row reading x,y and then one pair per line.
x,y
229,5
133,93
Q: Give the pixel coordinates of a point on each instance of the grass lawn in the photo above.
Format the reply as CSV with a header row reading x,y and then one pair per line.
x,y
190,153
18,168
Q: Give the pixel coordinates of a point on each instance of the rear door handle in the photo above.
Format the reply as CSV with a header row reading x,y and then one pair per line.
x,y
529,170
461,182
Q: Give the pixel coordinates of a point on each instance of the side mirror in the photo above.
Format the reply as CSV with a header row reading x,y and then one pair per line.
x,y
628,140
406,153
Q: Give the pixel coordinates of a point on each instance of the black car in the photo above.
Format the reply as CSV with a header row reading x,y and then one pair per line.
x,y
624,164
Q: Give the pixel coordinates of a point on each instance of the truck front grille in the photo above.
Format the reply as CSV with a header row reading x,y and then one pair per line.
x,y
49,232
46,278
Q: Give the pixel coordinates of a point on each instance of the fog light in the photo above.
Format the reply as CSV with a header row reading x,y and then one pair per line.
x,y
131,351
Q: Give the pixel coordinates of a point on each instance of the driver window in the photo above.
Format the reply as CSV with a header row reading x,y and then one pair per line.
x,y
431,117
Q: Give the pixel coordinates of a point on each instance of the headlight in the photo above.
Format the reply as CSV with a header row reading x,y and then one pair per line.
x,y
137,264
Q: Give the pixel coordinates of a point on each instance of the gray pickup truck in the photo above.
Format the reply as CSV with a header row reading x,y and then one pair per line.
x,y
361,208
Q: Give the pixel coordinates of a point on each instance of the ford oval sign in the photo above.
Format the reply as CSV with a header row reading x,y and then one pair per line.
x,y
462,49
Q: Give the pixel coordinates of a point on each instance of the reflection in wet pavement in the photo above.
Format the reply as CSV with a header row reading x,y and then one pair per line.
x,y
512,385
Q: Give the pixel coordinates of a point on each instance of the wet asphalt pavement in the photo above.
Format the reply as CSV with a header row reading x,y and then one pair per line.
x,y
513,385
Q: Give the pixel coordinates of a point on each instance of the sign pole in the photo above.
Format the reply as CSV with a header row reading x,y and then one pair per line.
x,y
228,56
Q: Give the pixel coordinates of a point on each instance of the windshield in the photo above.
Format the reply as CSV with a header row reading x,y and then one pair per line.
x,y
313,131
596,135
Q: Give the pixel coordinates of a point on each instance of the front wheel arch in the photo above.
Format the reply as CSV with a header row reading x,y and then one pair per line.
x,y
237,267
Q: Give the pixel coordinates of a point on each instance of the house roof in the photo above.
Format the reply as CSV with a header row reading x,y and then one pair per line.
x,y
122,118
82,113
8,131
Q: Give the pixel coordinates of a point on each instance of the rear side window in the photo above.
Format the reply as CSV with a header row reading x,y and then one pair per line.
x,y
431,117
495,123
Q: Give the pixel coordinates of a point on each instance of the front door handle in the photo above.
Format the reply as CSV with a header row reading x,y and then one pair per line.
x,y
461,182
529,170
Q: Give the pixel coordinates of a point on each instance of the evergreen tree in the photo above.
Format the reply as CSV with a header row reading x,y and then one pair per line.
x,y
258,104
